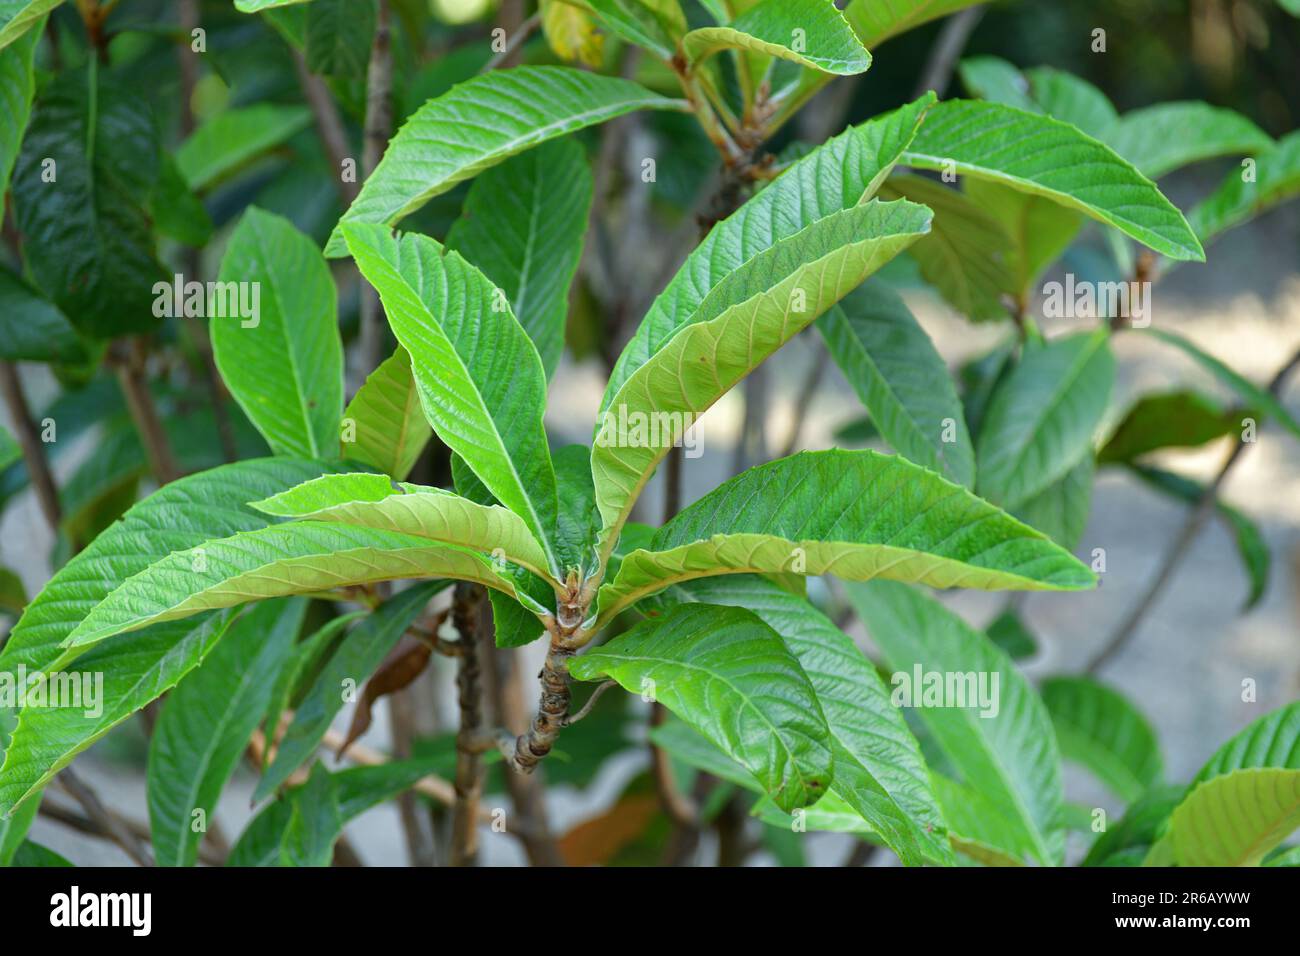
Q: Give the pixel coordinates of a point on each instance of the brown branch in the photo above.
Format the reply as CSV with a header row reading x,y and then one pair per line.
x,y
680,808
129,359
466,613
329,125
808,391
38,468
947,48
1178,550
511,19
378,127
109,823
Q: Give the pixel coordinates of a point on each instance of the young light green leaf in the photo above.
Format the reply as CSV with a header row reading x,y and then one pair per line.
x,y
1039,230
361,651
843,172
893,366
1100,729
731,677
1039,155
1041,419
875,22
283,362
300,557
855,514
1254,396
478,124
372,501
17,87
656,25
967,252
1272,176
205,725
812,33
480,379
1271,741
1236,818
19,16
747,317
232,138
1003,746
879,772
384,425
522,225
1167,136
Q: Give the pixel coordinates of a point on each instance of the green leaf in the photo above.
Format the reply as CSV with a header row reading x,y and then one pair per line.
x,y
657,25
1237,818
205,725
842,173
1252,548
478,124
361,651
17,87
571,33
966,255
32,329
1009,633
372,501
1271,741
875,22
978,828
747,317
893,366
1249,392
283,364
31,854
1274,178
19,16
999,80
257,6
522,225
480,379
855,514
1100,729
300,557
879,772
1061,509
812,33
1075,101
1039,231
87,238
1041,418
338,36
1126,842
730,676
1167,136
232,138
1009,757
178,213
384,425
1179,419
1045,157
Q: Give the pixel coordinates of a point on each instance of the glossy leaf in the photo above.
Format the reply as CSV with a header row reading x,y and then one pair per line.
x,y
1042,156
205,725
19,16
337,37
893,366
1181,419
231,139
17,87
32,328
1009,757
840,174
523,225
1041,419
1100,729
480,379
1236,818
656,25
284,365
849,513
812,33
300,557
879,771
372,501
359,653
478,124
875,22
730,676
384,425
747,317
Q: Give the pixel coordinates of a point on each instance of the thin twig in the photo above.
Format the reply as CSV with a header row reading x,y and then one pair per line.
x,y
129,358
105,820
38,468
585,709
329,126
517,36
378,127
466,613
1196,519
946,51
803,401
